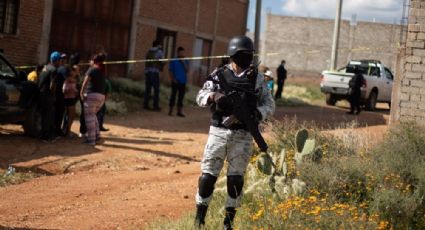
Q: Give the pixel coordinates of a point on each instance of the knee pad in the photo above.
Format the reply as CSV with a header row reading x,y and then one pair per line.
x,y
206,184
234,186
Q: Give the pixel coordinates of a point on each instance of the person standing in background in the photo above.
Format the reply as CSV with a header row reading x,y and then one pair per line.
x,y
93,95
47,86
268,77
178,76
355,85
152,70
60,100
102,112
281,77
70,92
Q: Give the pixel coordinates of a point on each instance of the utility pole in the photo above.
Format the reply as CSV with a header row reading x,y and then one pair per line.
x,y
257,29
334,58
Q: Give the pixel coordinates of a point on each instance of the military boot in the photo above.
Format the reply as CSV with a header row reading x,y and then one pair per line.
x,y
228,219
201,212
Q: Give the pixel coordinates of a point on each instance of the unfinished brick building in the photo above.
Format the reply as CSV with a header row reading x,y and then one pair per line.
x,y
30,29
409,87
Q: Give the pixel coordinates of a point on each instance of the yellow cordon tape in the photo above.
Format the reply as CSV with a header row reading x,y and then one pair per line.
x,y
204,57
144,61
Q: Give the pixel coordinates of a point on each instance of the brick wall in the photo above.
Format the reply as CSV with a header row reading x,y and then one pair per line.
x,y
23,48
216,21
409,88
189,24
306,43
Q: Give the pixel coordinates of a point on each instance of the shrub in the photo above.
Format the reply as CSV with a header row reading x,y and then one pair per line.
x,y
352,187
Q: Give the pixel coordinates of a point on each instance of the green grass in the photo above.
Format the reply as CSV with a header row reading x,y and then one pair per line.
x,y
127,95
301,95
15,178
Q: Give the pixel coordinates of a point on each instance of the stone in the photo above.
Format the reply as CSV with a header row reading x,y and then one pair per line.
x,y
413,75
416,44
418,67
419,52
414,59
414,27
405,97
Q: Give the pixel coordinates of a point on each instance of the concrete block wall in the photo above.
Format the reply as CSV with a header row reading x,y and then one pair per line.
x,y
306,43
409,88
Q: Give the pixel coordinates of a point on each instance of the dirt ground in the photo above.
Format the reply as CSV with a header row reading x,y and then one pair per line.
x,y
147,167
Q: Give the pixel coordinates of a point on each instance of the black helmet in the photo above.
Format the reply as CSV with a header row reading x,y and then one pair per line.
x,y
240,43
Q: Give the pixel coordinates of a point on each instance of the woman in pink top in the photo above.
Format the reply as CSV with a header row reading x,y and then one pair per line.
x,y
70,92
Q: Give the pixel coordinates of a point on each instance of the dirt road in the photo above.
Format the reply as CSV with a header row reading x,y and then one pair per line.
x,y
146,167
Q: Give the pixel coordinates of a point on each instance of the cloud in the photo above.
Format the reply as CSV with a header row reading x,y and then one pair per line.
x,y
366,10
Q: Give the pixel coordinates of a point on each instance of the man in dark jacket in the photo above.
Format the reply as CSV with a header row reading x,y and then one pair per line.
x,y
355,85
281,77
47,86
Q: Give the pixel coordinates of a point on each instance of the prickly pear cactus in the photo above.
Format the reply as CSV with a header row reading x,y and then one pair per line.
x,y
265,164
317,155
308,148
300,138
275,166
283,168
298,187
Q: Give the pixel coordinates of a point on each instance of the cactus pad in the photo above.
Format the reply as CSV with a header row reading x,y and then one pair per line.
x,y
300,138
265,164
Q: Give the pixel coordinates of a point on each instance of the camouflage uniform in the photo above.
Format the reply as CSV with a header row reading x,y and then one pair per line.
x,y
233,145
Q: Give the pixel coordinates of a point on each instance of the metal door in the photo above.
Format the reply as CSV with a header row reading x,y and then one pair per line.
x,y
92,26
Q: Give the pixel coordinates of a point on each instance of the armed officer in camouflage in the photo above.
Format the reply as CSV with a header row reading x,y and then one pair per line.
x,y
229,138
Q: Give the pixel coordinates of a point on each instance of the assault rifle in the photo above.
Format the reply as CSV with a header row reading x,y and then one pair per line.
x,y
240,110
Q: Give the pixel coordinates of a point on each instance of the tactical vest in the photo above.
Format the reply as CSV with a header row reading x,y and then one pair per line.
x,y
245,87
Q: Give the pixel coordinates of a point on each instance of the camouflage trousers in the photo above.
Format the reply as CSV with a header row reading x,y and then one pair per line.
x,y
235,146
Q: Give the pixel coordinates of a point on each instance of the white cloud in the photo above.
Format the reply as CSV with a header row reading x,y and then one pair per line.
x,y
366,10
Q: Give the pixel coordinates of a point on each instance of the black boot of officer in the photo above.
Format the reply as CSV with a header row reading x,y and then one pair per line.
x,y
228,219
201,212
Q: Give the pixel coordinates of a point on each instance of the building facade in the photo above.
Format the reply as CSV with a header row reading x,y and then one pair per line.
x,y
125,29
408,99
306,43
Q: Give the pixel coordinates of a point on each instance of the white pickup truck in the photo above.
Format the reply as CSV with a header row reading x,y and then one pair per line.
x,y
377,88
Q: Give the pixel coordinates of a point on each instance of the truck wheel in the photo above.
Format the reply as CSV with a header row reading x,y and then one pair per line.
x,y
32,123
371,101
330,99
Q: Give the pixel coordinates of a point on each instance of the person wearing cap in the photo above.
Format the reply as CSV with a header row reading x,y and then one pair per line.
x,y
47,87
230,141
93,95
268,77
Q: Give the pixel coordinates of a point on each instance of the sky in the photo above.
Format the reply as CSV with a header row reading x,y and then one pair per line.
x,y
388,11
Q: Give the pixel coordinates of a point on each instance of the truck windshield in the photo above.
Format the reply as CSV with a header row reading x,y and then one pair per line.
x,y
5,69
366,70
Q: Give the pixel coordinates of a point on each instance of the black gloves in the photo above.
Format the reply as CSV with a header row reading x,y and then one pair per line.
x,y
222,102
